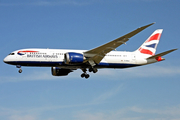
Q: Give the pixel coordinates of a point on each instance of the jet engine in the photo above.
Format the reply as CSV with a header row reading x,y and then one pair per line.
x,y
60,72
73,58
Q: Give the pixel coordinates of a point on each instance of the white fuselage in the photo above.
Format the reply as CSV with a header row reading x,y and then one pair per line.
x,y
55,58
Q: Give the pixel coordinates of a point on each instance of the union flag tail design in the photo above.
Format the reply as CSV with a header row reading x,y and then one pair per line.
x,y
148,48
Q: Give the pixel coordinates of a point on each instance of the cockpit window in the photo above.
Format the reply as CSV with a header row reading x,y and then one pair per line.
x,y
11,54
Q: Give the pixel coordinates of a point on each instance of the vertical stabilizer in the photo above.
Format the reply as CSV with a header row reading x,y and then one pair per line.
x,y
148,48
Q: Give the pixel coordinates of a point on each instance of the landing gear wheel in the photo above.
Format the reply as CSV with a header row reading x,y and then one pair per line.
x,y
90,69
87,76
83,75
94,70
20,71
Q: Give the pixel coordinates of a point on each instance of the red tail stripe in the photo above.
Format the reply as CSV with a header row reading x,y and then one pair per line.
x,y
144,51
154,37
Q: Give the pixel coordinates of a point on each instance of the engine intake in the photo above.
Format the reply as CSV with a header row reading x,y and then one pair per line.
x,y
73,58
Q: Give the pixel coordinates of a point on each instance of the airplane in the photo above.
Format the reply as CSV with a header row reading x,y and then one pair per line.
x,y
64,61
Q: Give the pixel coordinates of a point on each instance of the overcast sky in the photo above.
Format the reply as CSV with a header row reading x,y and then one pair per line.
x,y
150,92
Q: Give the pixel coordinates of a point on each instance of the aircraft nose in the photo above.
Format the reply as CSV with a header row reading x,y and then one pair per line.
x,y
6,59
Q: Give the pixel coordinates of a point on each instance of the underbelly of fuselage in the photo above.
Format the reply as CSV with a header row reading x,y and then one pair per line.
x,y
70,66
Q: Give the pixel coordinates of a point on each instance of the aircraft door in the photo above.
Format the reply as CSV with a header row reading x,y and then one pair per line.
x,y
133,58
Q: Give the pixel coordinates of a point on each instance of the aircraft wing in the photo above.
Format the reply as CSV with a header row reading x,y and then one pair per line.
x,y
97,54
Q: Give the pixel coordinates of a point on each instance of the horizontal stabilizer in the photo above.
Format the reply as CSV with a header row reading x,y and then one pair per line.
x,y
161,54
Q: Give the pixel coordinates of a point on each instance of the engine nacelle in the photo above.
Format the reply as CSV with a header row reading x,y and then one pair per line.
x,y
73,58
60,72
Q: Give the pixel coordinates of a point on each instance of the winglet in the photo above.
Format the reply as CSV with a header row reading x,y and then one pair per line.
x,y
147,25
129,35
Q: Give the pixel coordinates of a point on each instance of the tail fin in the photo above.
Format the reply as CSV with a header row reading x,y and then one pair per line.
x,y
148,48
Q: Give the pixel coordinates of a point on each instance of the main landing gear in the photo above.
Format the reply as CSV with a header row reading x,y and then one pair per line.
x,y
85,75
20,70
94,70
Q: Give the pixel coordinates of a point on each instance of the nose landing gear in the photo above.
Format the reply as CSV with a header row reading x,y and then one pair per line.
x,y
20,70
